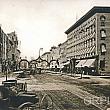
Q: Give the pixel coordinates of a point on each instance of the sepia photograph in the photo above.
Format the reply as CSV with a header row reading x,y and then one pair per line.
x,y
54,54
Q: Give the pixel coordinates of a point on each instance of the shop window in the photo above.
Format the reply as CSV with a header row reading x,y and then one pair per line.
x,y
102,20
103,49
103,34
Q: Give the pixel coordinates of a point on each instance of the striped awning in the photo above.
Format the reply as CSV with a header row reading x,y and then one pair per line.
x,y
81,63
89,63
86,63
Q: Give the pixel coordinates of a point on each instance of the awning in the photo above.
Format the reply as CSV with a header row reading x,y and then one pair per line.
x,y
81,63
77,61
66,63
18,72
89,63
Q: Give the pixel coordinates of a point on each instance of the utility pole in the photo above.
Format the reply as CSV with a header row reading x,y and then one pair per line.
x,y
40,50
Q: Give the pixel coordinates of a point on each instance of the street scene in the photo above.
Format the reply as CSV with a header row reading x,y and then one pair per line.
x,y
51,59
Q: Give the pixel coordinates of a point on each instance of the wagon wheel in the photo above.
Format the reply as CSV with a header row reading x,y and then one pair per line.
x,y
46,102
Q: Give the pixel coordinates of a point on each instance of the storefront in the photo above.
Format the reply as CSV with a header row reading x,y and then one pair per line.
x,y
88,66
65,67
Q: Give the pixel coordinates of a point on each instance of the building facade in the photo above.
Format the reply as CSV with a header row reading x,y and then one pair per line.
x,y
13,53
9,52
63,53
3,47
46,57
88,40
54,56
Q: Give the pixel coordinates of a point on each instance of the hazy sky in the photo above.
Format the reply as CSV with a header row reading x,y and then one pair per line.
x,y
42,23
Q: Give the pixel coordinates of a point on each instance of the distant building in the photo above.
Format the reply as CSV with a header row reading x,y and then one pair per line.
x,y
55,55
63,53
46,57
88,40
18,58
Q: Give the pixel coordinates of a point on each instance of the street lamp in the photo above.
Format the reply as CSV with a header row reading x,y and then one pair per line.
x,y
40,58
40,50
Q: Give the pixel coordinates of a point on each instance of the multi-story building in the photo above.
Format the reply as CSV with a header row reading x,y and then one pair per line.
x,y
88,40
9,51
46,56
62,52
13,53
3,46
54,51
54,56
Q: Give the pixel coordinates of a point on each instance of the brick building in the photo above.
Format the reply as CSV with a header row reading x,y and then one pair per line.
x,y
88,40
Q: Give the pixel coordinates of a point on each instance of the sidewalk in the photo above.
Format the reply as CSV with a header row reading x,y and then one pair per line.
x,y
102,80
79,75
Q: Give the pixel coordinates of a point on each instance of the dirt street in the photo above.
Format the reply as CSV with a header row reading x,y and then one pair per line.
x,y
69,93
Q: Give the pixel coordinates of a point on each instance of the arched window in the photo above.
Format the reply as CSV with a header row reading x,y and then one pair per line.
x,y
103,48
102,20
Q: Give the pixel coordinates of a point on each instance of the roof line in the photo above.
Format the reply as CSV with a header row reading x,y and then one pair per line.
x,y
95,9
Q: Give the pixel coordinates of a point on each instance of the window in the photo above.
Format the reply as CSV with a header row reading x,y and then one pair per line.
x,y
102,65
102,19
103,49
103,34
